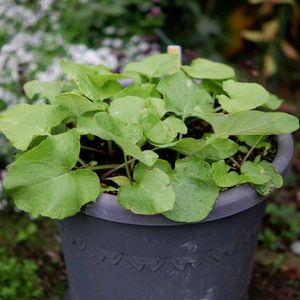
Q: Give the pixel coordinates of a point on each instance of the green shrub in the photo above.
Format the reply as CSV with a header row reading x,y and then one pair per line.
x,y
18,279
282,226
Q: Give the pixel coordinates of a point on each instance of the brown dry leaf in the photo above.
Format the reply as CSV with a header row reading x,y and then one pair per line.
x,y
238,21
289,50
253,35
270,29
270,66
267,34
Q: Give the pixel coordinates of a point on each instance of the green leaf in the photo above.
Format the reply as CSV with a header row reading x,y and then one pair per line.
x,y
42,182
163,165
22,123
119,180
273,103
157,131
188,146
155,107
273,183
150,194
155,66
127,109
222,177
182,95
109,129
163,132
250,172
251,123
140,90
220,148
77,104
206,69
244,149
95,82
195,190
254,173
251,140
47,89
243,96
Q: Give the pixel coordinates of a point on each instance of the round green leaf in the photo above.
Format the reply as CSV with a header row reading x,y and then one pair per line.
x,y
150,194
154,66
77,104
202,68
271,185
22,123
182,95
243,96
42,181
251,123
222,177
195,190
127,109
163,132
254,173
95,82
140,90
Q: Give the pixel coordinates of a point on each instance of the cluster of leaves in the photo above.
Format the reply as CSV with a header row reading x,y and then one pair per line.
x,y
143,119
132,16
31,266
283,226
18,279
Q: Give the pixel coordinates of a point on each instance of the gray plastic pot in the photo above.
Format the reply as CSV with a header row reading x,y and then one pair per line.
x,y
112,254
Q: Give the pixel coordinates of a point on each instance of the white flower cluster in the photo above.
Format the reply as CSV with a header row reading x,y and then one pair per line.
x,y
109,55
31,52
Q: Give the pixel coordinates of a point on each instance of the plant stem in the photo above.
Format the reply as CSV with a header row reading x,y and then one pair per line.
x,y
116,168
235,162
103,167
180,135
92,149
82,162
110,149
127,168
217,109
251,150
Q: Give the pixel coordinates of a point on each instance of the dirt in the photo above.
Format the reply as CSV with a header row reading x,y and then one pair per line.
x,y
270,284
96,149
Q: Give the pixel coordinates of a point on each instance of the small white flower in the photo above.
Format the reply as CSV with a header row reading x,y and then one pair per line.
x,y
109,30
117,43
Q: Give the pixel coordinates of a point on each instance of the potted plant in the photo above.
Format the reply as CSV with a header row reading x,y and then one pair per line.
x,y
183,159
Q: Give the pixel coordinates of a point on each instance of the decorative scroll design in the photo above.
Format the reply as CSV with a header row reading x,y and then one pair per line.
x,y
166,264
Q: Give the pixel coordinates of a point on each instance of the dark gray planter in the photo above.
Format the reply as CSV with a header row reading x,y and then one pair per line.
x,y
112,254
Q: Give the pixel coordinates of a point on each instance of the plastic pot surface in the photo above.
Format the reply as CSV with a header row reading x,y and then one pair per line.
x,y
113,254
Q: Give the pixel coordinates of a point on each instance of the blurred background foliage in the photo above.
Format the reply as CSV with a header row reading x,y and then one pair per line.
x,y
260,38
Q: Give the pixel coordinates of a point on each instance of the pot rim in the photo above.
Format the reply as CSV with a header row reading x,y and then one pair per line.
x,y
228,203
